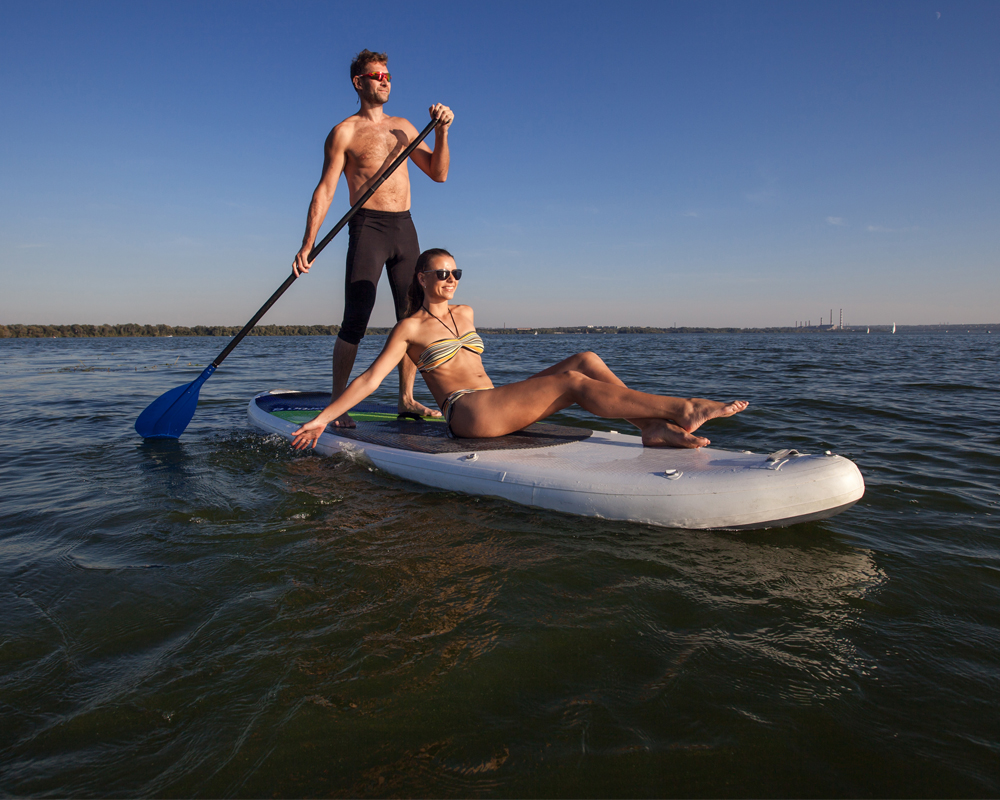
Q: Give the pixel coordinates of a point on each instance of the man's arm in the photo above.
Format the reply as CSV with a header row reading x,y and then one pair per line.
x,y
435,162
334,158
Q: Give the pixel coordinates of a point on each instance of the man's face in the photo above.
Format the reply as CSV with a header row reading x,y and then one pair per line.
x,y
376,92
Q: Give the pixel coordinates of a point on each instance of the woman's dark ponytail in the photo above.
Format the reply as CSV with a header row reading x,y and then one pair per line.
x,y
415,295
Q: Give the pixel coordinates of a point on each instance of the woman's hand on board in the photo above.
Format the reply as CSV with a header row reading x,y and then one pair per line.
x,y
308,434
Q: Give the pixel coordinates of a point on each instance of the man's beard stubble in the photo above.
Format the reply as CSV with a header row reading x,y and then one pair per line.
x,y
371,94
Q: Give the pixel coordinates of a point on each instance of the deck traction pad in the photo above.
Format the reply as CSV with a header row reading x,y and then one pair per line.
x,y
423,437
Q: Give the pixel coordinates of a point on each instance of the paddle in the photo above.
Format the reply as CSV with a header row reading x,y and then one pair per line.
x,y
169,414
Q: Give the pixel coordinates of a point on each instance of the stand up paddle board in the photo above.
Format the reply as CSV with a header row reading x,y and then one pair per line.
x,y
579,471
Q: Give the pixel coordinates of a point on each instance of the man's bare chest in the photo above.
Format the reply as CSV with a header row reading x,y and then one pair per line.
x,y
371,147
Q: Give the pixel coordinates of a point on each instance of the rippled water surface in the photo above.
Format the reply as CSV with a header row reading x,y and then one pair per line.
x,y
220,616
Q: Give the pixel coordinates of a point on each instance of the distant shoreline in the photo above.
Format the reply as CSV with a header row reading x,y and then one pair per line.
x,y
18,331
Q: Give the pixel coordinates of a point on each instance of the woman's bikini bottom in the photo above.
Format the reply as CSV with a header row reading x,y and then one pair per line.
x,y
448,406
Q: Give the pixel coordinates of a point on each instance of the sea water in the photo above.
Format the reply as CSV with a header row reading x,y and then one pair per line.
x,y
222,616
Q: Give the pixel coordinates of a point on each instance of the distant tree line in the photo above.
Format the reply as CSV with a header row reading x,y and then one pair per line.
x,y
134,329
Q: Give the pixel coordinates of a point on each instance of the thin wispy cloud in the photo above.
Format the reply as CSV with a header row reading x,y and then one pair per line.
x,y
836,221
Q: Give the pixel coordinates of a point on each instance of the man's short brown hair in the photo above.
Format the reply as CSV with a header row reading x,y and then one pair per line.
x,y
359,66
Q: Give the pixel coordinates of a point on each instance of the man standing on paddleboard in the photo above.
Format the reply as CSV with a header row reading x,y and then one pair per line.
x,y
381,232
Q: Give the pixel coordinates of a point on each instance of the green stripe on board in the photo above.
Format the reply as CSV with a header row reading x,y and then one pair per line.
x,y
297,415
303,415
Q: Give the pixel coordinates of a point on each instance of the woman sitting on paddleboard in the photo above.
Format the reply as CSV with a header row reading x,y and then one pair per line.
x,y
475,408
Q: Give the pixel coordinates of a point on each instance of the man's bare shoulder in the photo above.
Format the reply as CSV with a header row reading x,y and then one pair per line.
x,y
401,123
343,131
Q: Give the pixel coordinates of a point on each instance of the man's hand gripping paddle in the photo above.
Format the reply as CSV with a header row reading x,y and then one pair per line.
x,y
169,414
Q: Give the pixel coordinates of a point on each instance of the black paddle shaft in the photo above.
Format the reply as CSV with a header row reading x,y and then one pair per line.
x,y
325,241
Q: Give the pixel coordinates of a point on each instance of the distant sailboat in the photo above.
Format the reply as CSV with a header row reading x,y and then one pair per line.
x,y
894,327
868,331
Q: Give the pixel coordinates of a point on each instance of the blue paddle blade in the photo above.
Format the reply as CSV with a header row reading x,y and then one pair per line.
x,y
169,414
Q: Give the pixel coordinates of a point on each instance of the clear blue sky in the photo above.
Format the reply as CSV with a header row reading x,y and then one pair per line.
x,y
691,163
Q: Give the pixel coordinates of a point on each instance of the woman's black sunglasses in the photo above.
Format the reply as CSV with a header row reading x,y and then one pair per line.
x,y
442,274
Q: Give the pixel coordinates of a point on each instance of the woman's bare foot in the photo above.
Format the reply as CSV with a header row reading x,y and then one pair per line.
x,y
344,421
660,433
703,410
416,407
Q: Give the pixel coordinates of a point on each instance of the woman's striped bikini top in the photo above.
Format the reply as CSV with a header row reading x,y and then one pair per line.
x,y
444,350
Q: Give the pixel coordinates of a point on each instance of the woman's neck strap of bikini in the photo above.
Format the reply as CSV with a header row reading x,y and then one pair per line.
x,y
443,322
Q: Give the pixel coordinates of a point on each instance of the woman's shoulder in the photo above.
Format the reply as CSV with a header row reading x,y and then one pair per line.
x,y
408,326
462,311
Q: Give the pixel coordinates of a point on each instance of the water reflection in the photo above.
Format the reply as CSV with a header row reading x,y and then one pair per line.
x,y
432,595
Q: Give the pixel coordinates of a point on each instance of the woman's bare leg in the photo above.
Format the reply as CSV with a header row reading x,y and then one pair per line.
x,y
512,407
655,432
590,364
593,366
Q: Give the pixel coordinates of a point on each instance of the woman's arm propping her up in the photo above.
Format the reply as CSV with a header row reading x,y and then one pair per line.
x,y
358,389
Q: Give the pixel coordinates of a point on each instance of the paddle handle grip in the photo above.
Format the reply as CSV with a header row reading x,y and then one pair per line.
x,y
326,240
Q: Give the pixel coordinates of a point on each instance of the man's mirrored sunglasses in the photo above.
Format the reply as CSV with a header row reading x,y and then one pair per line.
x,y
378,76
442,274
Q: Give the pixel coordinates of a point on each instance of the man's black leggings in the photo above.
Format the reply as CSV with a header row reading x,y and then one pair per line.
x,y
377,239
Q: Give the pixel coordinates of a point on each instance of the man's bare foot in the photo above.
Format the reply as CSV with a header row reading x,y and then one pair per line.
x,y
660,433
414,407
344,421
703,410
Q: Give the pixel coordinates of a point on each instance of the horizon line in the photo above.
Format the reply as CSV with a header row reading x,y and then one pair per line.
x,y
163,330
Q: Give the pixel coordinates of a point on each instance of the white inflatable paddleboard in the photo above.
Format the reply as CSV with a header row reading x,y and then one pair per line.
x,y
578,471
